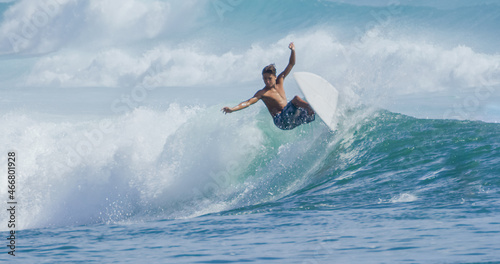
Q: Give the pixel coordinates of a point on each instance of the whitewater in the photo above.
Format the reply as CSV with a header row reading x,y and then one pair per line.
x,y
112,110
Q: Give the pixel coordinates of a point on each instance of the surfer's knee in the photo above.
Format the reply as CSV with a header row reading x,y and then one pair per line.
x,y
299,102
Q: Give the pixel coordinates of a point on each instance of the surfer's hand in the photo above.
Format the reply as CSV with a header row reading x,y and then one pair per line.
x,y
226,110
291,46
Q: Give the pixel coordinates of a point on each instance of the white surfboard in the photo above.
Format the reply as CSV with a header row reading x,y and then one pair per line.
x,y
321,95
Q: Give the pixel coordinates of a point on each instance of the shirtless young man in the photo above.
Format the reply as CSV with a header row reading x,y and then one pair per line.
x,y
285,116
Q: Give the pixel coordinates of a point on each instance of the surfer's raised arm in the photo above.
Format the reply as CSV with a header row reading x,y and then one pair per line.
x,y
291,62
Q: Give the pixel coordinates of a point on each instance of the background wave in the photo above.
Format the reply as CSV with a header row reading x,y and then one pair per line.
x,y
383,52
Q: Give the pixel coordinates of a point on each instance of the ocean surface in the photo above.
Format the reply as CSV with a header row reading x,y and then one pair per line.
x,y
111,110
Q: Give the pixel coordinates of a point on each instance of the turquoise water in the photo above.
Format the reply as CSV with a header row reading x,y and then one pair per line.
x,y
124,156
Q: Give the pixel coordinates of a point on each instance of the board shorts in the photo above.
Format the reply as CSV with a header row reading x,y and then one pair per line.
x,y
291,117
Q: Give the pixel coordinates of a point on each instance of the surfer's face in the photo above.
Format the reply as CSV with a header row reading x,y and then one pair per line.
x,y
269,79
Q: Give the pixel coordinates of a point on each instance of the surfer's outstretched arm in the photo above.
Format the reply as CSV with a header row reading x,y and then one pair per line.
x,y
242,105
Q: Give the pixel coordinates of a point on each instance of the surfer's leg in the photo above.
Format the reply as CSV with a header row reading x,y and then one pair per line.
x,y
299,102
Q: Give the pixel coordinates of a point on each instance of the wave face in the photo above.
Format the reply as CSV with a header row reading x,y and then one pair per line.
x,y
113,107
190,161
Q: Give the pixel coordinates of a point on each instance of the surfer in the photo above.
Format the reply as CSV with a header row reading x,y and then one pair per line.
x,y
285,115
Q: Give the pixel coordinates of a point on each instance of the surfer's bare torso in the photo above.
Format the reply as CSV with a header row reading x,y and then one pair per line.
x,y
273,97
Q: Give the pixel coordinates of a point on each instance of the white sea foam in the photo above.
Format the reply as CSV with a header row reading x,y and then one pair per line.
x,y
145,161
404,198
37,27
371,67
138,43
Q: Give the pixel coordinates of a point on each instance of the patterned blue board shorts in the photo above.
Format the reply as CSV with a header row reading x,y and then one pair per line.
x,y
291,117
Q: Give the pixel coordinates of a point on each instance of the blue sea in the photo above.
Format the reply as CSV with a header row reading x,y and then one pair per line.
x,y
114,148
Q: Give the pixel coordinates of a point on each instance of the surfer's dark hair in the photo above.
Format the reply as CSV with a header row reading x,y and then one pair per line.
x,y
269,69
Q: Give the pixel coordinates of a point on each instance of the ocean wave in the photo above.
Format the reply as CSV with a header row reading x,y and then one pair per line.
x,y
189,161
373,66
39,27
186,160
161,43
